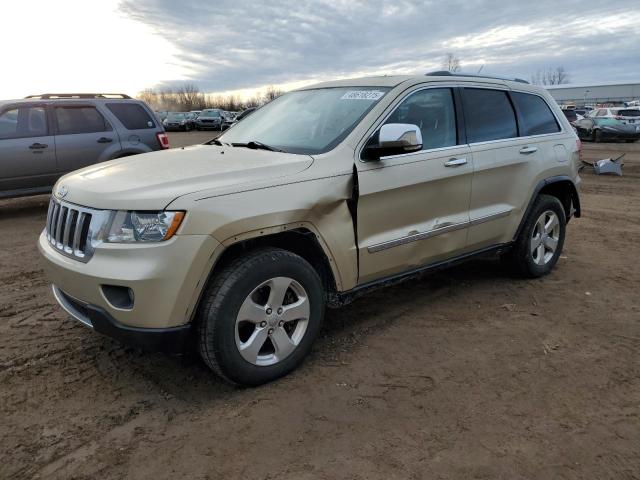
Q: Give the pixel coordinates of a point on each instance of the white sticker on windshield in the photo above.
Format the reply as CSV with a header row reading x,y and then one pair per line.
x,y
363,95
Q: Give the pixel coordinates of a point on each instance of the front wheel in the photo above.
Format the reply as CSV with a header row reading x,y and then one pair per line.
x,y
260,316
540,242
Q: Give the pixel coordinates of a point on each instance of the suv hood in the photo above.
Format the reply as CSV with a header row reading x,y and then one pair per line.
x,y
151,181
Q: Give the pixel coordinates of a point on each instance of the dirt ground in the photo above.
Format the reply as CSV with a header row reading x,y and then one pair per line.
x,y
468,373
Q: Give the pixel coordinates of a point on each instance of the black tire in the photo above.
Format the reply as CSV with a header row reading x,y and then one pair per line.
x,y
630,141
520,258
228,289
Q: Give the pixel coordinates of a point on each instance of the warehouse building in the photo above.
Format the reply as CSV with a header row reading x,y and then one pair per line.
x,y
591,93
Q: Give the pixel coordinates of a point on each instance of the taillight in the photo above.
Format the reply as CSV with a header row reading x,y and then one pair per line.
x,y
579,145
163,140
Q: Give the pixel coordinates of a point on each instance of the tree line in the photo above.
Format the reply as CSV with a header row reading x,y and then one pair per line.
x,y
189,97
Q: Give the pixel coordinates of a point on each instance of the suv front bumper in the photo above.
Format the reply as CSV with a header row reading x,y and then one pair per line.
x,y
164,279
167,340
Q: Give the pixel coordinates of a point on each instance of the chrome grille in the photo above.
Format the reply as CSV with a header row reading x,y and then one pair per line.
x,y
69,229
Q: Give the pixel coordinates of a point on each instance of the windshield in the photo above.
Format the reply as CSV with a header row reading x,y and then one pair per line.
x,y
176,116
210,113
306,121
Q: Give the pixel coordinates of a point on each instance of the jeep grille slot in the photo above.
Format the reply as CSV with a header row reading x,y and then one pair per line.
x,y
68,229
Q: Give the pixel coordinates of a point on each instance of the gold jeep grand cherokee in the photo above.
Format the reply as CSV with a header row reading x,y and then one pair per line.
x,y
237,246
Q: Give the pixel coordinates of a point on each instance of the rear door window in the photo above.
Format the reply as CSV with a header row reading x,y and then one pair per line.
x,y
488,115
536,117
23,122
80,119
131,115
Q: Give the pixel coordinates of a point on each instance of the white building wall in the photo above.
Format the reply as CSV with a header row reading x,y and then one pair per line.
x,y
595,93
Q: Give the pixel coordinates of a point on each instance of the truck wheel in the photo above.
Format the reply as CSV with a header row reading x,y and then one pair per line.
x,y
539,244
259,316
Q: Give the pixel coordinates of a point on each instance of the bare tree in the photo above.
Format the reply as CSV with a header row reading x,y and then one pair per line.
x,y
451,63
189,97
550,76
271,93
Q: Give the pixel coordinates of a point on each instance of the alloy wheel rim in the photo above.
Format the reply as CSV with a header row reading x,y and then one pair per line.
x,y
272,321
545,238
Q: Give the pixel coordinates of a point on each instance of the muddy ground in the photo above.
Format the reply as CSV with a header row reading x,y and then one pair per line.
x,y
468,373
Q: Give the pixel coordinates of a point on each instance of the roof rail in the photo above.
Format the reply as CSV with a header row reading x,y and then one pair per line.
x,y
447,73
47,96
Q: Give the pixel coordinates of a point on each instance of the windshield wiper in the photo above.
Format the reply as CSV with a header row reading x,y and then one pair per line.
x,y
215,141
257,146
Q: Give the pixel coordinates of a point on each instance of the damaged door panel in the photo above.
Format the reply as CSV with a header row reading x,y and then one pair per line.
x,y
412,211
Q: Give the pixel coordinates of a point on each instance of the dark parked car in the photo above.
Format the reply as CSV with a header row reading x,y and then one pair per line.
x,y
210,119
43,137
179,121
600,125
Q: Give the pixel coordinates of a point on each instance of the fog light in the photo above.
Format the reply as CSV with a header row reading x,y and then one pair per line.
x,y
118,297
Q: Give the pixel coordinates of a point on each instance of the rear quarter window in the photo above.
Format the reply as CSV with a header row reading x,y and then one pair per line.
x,y
132,115
536,117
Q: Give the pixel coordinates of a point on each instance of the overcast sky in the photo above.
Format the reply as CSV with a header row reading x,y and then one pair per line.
x,y
232,45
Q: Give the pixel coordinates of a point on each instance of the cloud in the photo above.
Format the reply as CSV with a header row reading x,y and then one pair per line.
x,y
239,44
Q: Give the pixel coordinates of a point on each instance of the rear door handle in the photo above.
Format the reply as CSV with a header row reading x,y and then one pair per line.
x,y
38,146
455,162
528,150
105,140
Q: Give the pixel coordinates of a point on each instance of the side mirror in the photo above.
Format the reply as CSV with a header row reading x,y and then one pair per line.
x,y
394,139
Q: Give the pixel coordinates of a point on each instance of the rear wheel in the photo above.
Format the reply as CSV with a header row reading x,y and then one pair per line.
x,y
260,316
540,242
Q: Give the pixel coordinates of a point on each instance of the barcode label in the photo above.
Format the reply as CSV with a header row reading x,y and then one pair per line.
x,y
363,95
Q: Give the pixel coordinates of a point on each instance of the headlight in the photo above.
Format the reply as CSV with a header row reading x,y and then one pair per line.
x,y
131,227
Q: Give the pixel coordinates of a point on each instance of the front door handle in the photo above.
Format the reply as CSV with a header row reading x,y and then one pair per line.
x,y
105,140
38,146
455,162
528,150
